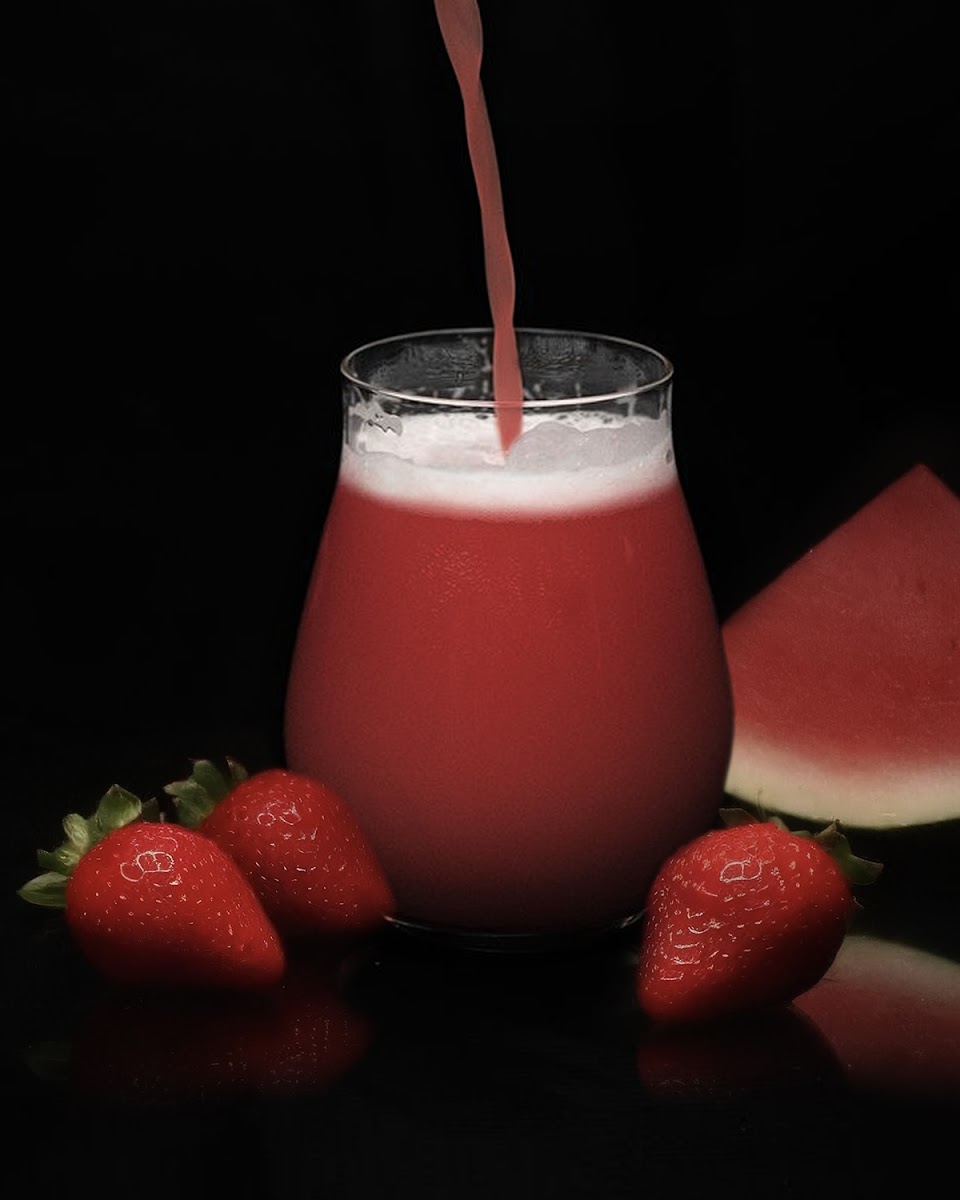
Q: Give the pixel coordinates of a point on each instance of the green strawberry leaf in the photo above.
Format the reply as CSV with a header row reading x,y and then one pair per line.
x,y
238,772
151,810
48,890
117,807
859,871
61,861
191,800
209,777
198,795
78,831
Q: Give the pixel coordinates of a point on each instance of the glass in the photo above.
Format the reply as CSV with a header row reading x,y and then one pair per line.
x,y
510,665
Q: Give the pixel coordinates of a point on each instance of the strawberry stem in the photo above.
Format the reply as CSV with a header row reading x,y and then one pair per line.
x,y
859,871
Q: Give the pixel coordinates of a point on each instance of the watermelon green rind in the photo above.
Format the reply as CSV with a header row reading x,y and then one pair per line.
x,y
845,670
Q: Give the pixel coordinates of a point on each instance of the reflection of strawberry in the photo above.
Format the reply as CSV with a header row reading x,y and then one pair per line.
x,y
150,903
777,1049
720,1095
297,843
297,1037
745,917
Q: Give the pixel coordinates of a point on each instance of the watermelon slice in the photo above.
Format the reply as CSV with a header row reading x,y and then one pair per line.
x,y
845,670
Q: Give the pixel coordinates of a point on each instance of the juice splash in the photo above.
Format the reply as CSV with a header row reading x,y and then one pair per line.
x,y
463,37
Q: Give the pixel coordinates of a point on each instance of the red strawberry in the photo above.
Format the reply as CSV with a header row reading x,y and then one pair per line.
x,y
297,843
150,903
745,917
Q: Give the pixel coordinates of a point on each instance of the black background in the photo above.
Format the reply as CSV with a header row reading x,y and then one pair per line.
x,y
209,203
213,202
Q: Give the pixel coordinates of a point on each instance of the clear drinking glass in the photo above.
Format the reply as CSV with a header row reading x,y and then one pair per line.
x,y
510,666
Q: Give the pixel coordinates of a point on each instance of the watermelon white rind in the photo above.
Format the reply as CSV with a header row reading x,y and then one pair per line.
x,y
845,670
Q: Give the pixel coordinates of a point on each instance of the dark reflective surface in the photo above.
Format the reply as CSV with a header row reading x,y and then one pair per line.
x,y
478,1075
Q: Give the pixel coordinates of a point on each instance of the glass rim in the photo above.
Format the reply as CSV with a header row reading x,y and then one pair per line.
x,y
349,374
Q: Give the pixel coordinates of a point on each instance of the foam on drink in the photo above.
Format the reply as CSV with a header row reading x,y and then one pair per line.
x,y
557,465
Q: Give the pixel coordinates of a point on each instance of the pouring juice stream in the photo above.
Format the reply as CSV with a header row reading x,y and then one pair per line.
x,y
463,37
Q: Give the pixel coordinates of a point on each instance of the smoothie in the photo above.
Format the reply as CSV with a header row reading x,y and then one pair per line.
x,y
512,672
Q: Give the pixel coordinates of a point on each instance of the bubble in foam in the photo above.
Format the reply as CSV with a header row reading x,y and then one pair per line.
x,y
555,445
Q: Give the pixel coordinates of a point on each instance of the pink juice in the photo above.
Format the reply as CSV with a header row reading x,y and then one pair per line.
x,y
515,678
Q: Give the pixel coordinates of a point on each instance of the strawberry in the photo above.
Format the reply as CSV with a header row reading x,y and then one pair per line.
x,y
745,917
149,903
297,843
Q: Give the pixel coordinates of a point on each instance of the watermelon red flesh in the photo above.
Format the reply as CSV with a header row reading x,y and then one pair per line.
x,y
845,669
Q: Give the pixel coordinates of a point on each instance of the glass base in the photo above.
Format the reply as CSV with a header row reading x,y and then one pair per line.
x,y
478,941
